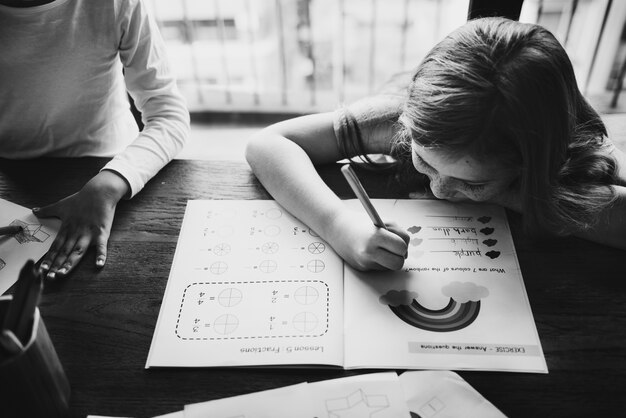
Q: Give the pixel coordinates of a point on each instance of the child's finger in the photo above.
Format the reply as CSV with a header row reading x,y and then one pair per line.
x,y
101,250
76,254
393,243
389,260
51,255
61,255
399,231
47,211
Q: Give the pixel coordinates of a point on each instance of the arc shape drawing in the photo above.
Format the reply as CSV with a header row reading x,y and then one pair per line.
x,y
454,316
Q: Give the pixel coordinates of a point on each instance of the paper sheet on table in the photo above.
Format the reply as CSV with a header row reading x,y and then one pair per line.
x,y
177,414
287,402
424,394
32,243
444,394
105,416
377,395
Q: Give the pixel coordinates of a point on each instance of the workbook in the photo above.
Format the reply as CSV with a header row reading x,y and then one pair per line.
x,y
251,285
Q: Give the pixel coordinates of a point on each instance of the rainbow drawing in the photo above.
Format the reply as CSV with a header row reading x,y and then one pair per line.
x,y
462,308
453,317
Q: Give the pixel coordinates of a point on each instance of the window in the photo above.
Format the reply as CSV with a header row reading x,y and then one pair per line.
x,y
311,55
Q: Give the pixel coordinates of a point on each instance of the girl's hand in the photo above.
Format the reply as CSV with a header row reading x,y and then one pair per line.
x,y
366,247
86,219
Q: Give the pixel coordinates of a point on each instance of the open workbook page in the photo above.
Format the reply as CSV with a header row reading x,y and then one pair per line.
x,y
250,285
458,303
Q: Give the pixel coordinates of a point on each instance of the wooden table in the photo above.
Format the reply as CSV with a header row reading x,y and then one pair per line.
x,y
101,322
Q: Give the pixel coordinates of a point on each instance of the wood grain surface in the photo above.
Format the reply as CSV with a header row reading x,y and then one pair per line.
x,y
101,321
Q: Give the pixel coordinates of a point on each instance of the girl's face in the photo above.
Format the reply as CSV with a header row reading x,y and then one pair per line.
x,y
461,179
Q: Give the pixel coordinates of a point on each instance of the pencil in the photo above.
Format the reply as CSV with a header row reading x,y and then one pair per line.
x,y
10,230
360,192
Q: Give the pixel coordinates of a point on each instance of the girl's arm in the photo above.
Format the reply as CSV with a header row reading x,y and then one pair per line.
x,y
87,216
152,85
283,156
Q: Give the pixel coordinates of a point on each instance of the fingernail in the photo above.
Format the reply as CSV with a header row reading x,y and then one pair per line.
x,y
62,270
35,209
51,275
45,266
100,262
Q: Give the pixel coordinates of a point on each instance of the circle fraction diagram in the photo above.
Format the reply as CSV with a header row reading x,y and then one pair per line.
x,y
221,249
315,266
230,297
268,266
317,247
306,295
226,324
254,309
270,247
219,267
273,213
305,321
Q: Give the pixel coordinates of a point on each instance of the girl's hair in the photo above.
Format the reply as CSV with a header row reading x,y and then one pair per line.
x,y
506,91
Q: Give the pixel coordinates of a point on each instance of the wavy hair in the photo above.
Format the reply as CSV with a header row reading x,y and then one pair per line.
x,y
506,91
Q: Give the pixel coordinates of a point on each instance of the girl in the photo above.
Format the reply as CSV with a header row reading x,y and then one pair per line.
x,y
492,114
64,95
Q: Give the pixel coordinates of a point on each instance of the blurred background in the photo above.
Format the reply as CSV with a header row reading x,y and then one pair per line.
x,y
243,64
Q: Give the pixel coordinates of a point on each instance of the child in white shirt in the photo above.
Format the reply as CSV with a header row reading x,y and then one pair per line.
x,y
65,70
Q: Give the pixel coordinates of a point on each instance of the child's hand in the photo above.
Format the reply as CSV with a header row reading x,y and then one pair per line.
x,y
366,247
86,219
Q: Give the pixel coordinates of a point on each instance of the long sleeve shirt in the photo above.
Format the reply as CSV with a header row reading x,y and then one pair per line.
x,y
65,70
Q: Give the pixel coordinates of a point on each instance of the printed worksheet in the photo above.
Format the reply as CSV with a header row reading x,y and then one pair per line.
x,y
458,303
441,394
286,402
30,244
378,395
251,285
444,394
